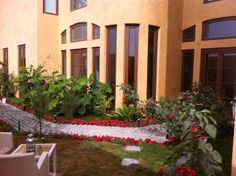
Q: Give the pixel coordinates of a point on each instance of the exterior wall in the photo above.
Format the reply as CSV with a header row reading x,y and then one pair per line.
x,y
48,52
195,12
18,21
106,12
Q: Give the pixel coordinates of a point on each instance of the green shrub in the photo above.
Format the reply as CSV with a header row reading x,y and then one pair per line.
x,y
129,113
129,95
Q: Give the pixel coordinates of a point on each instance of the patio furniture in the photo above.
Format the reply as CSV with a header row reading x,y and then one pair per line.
x,y
50,148
6,142
24,165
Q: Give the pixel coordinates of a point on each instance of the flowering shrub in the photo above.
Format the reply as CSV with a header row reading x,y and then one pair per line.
x,y
180,171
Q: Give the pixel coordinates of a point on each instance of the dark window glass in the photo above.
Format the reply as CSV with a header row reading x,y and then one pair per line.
x,y
22,59
152,62
50,6
63,37
111,58
77,4
64,62
189,34
96,31
187,70
79,32
79,63
96,63
207,1
219,28
5,60
131,55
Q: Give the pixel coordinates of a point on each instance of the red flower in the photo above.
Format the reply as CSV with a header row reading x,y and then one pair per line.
x,y
194,129
171,116
161,171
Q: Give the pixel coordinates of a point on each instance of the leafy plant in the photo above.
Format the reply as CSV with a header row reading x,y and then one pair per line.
x,y
39,101
129,113
129,95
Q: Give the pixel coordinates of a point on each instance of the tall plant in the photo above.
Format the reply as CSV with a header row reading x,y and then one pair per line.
x,y
130,97
39,101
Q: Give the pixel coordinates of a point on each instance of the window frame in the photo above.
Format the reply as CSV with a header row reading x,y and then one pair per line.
x,y
126,61
5,60
78,25
23,46
78,51
206,1
182,69
63,34
186,30
71,7
93,31
50,12
204,27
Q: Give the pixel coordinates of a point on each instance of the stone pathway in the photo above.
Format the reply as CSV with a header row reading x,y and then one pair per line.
x,y
28,122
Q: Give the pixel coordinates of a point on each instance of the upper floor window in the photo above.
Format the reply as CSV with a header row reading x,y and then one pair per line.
x,y
79,32
5,60
189,34
207,1
77,4
96,31
50,6
219,28
63,37
21,54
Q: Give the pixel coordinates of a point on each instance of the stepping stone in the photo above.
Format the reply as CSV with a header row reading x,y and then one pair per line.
x,y
131,148
129,161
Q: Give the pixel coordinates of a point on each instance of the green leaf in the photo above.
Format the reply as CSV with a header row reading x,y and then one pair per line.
x,y
192,111
186,125
206,111
217,157
211,130
205,119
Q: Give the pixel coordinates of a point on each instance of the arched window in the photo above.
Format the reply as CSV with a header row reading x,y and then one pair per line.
x,y
78,32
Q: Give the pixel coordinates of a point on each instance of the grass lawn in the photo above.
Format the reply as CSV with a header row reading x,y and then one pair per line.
x,y
102,159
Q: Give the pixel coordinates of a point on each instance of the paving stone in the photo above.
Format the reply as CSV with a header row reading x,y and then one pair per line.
x,y
131,148
129,161
29,122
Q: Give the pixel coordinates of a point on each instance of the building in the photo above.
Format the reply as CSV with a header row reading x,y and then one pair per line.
x,y
158,46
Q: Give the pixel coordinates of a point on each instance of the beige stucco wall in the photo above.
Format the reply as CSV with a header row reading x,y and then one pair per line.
x,y
106,12
18,21
195,12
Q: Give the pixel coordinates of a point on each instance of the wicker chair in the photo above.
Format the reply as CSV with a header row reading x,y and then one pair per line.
x,y
24,164
6,142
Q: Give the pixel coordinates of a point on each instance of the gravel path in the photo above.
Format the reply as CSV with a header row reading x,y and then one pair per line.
x,y
28,122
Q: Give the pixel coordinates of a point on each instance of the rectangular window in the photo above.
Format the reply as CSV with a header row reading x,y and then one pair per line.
x,y
79,32
187,69
111,56
96,63
131,59
63,37
189,34
152,62
96,31
5,60
77,4
63,54
22,59
79,63
50,6
219,28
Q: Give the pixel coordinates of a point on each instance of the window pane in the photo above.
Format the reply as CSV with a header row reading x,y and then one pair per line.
x,y
63,37
152,62
79,32
82,3
96,31
64,70
84,64
75,64
189,34
96,60
111,55
220,29
187,70
76,4
130,75
5,60
50,6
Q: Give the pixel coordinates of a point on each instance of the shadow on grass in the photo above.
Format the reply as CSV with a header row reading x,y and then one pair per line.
x,y
85,159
